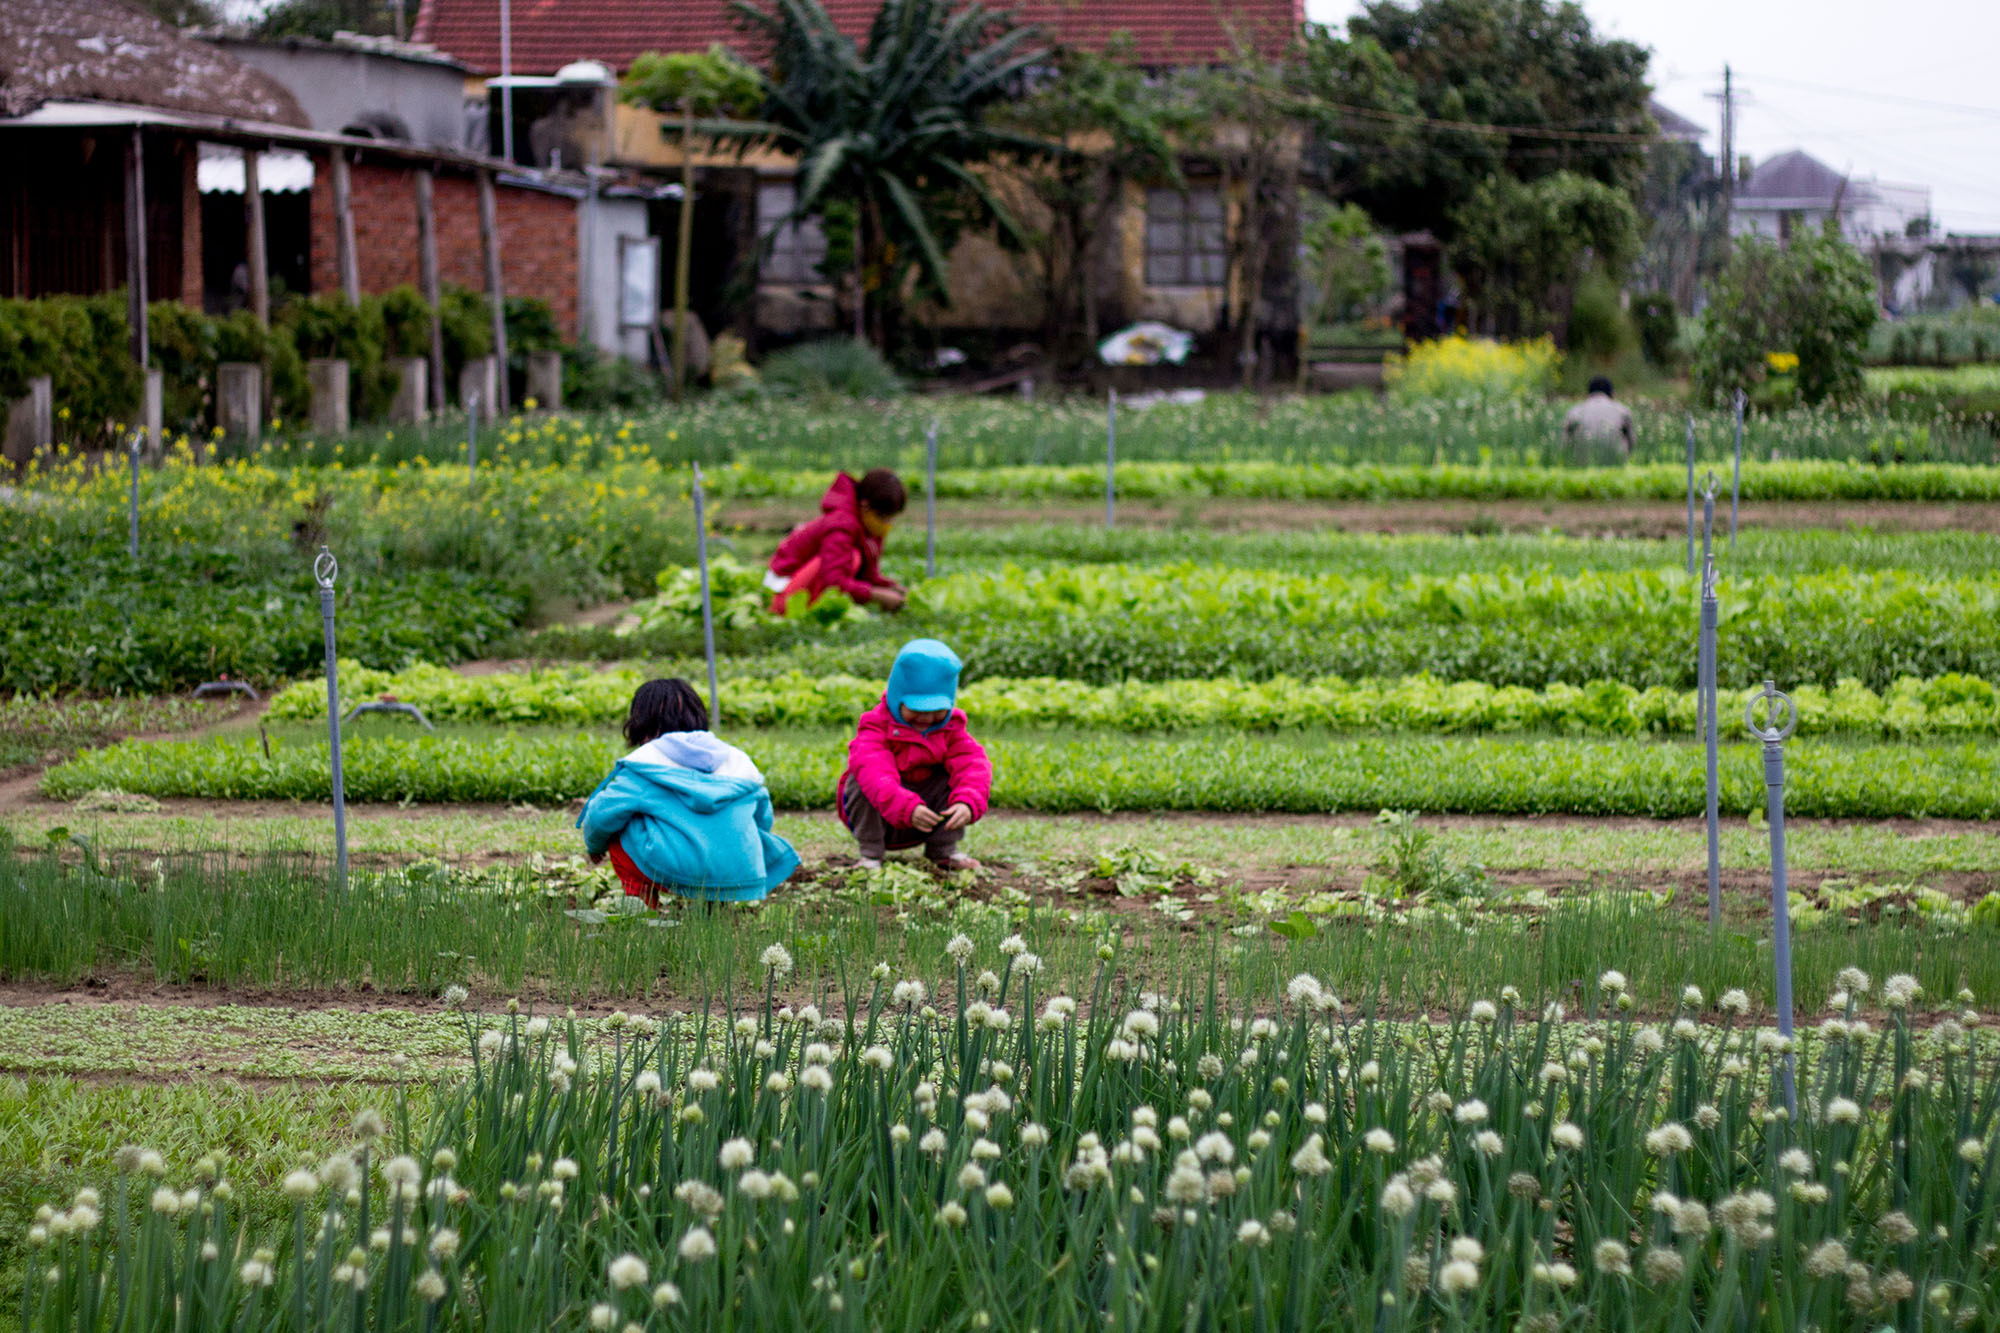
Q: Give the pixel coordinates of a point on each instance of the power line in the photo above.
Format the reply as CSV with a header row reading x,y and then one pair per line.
x,y
1863,95
1502,131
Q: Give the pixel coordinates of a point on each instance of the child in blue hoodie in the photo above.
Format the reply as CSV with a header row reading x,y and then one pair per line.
x,y
684,813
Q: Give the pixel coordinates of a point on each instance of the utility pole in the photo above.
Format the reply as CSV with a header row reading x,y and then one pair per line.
x,y
506,82
1728,99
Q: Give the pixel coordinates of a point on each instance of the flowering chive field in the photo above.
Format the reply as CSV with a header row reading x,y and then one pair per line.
x,y
992,1151
1245,764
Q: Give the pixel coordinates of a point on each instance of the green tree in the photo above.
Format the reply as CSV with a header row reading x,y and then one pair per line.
x,y
324,18
713,83
899,128
1536,67
1347,263
1522,247
1110,124
1814,298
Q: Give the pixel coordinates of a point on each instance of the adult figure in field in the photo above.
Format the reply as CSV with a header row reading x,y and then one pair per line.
x,y
842,548
1600,419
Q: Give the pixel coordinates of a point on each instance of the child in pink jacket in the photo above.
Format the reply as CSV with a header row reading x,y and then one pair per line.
x,y
914,773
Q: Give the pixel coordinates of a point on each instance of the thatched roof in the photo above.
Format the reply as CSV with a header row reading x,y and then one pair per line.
x,y
105,51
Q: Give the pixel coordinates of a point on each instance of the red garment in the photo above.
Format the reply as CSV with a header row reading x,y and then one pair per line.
x,y
849,559
634,879
885,754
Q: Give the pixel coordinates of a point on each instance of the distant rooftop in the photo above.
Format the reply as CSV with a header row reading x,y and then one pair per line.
x,y
545,35
104,51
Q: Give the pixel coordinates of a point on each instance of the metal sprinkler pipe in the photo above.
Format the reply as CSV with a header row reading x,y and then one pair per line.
x,y
1773,735
325,571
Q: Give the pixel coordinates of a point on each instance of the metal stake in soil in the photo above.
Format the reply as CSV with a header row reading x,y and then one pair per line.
x,y
1705,695
1736,482
930,501
472,433
325,570
707,605
1773,735
1111,460
1690,454
133,449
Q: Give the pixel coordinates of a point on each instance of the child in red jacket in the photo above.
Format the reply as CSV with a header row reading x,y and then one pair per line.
x,y
842,548
914,773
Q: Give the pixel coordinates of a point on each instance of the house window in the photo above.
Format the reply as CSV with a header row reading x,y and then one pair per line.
x,y
1184,238
795,249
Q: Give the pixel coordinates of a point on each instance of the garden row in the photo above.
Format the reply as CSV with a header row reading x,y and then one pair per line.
x,y
1225,771
1106,1158
1108,624
1225,430
1946,706
251,919
430,568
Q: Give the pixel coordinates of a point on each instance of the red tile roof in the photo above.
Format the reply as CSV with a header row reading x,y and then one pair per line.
x,y
548,34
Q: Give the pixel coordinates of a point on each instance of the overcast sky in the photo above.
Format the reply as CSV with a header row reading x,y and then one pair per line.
x,y
1904,90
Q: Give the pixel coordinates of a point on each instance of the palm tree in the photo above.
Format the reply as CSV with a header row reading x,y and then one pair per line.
x,y
896,131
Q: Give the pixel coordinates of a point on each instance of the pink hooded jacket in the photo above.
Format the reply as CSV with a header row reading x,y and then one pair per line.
x,y
885,753
847,557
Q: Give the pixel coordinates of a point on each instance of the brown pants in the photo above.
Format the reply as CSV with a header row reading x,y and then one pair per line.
x,y
876,834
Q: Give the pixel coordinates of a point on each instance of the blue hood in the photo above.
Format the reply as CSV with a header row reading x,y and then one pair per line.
x,y
925,678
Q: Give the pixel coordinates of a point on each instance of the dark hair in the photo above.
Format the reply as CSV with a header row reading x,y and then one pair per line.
x,y
1599,384
661,706
882,491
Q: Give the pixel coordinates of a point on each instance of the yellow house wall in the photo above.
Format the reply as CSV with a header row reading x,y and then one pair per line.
x,y
991,287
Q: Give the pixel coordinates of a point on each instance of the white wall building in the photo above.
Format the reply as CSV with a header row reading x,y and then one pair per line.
x,y
1795,190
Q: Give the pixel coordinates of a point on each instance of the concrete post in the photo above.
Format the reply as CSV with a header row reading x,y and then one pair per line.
x,y
545,379
328,377
478,377
239,400
31,421
412,405
153,411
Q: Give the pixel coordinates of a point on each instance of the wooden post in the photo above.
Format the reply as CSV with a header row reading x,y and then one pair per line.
x,y
135,246
496,296
258,258
343,230
427,266
683,248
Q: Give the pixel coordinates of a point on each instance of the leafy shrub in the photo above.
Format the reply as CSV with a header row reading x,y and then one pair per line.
x,y
1813,299
1658,322
595,382
239,337
831,368
1598,328
327,326
183,346
406,322
83,344
467,319
1458,368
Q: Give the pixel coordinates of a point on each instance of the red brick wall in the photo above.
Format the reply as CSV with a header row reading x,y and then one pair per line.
x,y
537,236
